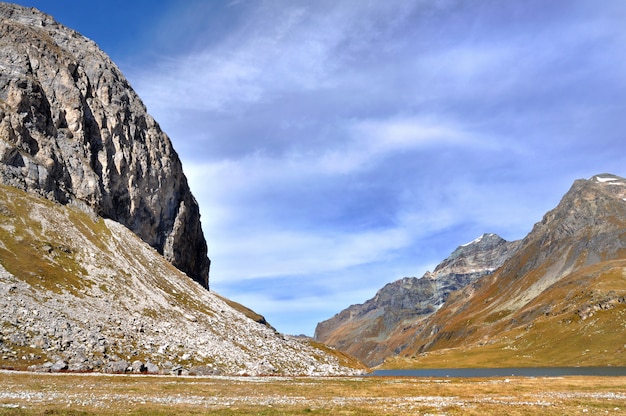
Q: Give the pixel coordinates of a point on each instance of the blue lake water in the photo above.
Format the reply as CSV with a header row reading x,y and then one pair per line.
x,y
504,372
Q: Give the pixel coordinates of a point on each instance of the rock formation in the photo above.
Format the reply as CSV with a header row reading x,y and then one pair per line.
x,y
73,130
378,328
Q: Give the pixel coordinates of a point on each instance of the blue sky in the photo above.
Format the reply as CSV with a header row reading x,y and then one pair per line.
x,y
336,146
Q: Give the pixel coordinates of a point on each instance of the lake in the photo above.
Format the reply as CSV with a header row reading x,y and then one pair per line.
x,y
504,372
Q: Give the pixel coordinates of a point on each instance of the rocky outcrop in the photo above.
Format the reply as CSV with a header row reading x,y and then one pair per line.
x,y
73,130
377,328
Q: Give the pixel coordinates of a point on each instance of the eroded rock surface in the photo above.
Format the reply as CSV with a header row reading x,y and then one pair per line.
x,y
73,130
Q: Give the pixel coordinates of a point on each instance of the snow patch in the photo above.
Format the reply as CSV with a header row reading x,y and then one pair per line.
x,y
604,179
477,240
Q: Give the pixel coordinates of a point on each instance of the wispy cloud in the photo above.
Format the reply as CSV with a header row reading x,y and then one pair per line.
x,y
350,143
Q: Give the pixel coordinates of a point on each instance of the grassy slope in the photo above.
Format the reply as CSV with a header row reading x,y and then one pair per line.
x,y
44,262
547,331
88,262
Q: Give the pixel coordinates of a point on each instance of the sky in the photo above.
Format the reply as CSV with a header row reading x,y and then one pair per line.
x,y
335,146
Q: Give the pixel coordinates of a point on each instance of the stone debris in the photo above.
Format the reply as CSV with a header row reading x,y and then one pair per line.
x,y
131,314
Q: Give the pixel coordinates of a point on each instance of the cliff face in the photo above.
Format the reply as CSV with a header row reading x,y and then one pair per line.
x,y
381,326
73,130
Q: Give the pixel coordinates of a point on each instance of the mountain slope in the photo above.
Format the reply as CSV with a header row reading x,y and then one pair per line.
x,y
82,293
560,300
383,325
73,130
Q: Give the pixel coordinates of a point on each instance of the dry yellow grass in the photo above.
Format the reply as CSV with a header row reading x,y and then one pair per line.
x,y
75,394
547,332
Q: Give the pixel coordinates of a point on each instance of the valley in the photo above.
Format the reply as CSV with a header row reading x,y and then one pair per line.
x,y
104,268
38,394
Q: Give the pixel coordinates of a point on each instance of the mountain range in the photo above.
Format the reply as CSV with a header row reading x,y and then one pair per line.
x,y
555,298
104,264
380,327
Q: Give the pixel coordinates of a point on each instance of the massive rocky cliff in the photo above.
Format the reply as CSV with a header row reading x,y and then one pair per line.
x,y
380,327
73,130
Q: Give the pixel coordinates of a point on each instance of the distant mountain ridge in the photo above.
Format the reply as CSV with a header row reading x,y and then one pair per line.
x,y
73,130
557,299
572,259
379,327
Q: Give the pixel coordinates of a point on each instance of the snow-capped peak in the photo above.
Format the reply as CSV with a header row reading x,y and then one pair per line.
x,y
478,240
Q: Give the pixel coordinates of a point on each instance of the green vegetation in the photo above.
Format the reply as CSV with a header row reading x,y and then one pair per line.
x,y
246,311
344,359
42,261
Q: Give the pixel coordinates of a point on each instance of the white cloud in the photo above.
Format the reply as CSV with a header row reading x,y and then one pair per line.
x,y
374,135
248,249
286,253
402,133
268,55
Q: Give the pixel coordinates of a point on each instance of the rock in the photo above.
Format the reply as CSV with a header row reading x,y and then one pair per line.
x,y
116,367
191,318
59,366
138,367
203,371
73,130
80,367
152,368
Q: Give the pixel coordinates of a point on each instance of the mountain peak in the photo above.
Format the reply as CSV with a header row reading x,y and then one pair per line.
x,y
598,203
381,324
486,238
485,253
612,184
73,130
